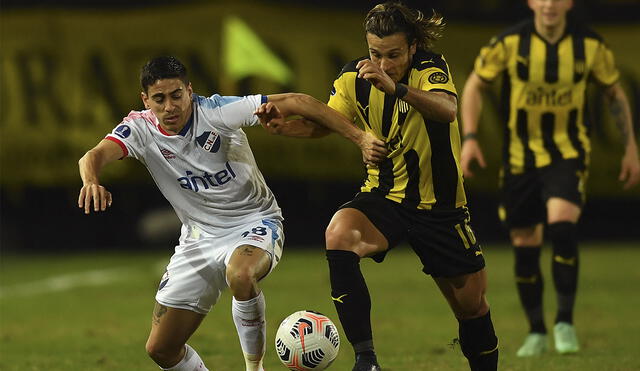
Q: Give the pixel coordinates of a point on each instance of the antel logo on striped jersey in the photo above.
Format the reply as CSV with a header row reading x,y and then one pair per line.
x,y
209,141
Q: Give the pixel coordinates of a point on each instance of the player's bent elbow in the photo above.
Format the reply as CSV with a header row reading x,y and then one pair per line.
x,y
451,116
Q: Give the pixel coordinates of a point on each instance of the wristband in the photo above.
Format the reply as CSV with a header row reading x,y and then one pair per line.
x,y
401,90
469,136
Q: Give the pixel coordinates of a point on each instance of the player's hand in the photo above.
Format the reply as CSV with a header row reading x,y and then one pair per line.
x,y
270,117
92,194
373,149
471,151
371,72
630,169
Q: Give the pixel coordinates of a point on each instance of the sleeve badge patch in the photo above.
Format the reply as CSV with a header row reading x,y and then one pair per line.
x,y
438,78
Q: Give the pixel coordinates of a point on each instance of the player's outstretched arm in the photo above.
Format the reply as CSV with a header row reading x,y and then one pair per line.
x,y
621,112
470,109
92,193
315,112
272,119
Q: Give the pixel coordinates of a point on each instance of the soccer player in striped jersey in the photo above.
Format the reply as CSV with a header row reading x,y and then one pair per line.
x,y
545,63
232,236
403,94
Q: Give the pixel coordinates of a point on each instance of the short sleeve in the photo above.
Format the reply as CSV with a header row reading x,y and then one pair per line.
x,y
436,77
339,98
236,112
491,61
129,136
604,68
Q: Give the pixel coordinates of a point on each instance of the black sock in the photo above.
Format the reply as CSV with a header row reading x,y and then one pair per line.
x,y
479,343
350,296
564,267
530,286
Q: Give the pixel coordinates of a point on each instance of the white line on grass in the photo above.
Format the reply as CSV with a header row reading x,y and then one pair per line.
x,y
67,282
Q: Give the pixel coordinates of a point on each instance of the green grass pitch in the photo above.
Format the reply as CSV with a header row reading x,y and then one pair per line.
x,y
92,311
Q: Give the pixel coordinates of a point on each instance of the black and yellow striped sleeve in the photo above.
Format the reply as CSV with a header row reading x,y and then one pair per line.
x,y
491,60
436,77
340,99
604,67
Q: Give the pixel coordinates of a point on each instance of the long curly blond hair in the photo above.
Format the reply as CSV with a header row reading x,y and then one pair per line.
x,y
391,17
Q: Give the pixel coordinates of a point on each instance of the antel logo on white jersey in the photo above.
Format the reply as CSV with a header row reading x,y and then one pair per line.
x,y
197,182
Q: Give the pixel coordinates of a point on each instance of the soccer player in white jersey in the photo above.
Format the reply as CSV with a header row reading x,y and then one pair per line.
x,y
232,235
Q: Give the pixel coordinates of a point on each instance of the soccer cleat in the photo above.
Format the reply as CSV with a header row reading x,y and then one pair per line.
x,y
565,338
534,345
366,363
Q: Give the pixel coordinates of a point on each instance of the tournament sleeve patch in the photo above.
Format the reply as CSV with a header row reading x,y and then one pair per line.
x,y
438,78
123,131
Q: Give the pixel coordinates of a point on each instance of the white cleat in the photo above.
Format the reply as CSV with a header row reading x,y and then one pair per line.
x,y
534,345
565,338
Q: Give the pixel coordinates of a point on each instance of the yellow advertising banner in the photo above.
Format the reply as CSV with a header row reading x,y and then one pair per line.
x,y
68,77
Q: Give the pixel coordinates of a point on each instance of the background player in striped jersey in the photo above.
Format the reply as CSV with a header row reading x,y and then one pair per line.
x,y
232,233
545,63
403,94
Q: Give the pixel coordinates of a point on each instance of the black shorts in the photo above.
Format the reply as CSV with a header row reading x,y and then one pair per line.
x,y
524,196
442,239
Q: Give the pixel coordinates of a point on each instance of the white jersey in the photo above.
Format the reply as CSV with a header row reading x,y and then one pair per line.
x,y
207,171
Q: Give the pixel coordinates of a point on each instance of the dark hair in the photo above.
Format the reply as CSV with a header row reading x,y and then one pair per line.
x,y
165,67
391,17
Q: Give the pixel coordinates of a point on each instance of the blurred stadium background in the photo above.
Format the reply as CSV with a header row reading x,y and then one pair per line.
x,y
76,291
69,73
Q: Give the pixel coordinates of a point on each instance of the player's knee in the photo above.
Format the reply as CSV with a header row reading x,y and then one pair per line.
x,y
162,354
339,238
522,237
472,307
242,281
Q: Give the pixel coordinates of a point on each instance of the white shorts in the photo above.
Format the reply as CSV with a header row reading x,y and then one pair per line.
x,y
195,276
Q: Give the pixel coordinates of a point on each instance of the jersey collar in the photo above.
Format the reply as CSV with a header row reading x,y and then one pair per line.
x,y
183,132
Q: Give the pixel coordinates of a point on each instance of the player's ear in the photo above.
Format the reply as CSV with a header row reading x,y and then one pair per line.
x,y
145,100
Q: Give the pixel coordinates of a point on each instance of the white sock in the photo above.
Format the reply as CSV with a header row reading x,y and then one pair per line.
x,y
251,325
190,362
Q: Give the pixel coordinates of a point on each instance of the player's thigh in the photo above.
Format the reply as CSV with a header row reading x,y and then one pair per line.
x,y
351,230
465,294
562,210
256,249
521,203
171,328
248,262
368,225
445,242
195,276
563,190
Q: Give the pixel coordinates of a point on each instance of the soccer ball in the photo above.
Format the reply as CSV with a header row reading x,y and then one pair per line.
x,y
307,340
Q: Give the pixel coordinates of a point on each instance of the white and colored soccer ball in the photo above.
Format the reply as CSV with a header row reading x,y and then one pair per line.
x,y
307,340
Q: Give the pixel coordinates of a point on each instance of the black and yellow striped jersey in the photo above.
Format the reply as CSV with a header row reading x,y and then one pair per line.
x,y
544,92
422,169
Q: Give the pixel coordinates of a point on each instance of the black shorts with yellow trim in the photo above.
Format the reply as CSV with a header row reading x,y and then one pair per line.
x,y
524,196
442,239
